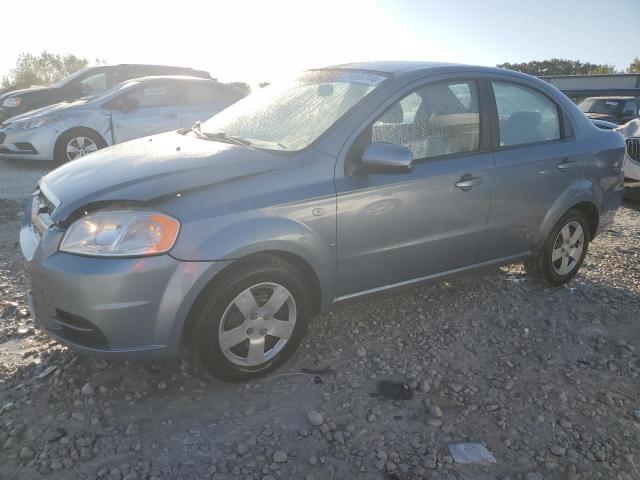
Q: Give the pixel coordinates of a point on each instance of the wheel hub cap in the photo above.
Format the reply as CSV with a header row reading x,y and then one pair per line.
x,y
79,147
567,249
257,324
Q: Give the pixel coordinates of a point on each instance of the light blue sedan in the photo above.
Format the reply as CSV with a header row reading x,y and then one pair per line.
x,y
133,109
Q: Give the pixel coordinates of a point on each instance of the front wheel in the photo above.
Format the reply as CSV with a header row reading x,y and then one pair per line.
x,y
563,251
253,321
77,143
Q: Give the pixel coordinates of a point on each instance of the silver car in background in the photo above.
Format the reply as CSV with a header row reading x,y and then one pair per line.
x,y
631,134
136,108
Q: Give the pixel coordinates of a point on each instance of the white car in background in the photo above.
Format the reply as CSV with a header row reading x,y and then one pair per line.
x,y
135,108
631,166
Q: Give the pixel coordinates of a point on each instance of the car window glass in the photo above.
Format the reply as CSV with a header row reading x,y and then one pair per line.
x,y
199,93
437,119
231,95
629,108
525,115
94,84
154,95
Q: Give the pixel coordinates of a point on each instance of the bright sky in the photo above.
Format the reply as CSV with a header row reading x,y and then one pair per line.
x,y
258,40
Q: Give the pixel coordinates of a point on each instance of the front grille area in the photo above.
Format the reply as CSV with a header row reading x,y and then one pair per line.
x,y
3,135
79,330
41,210
633,148
44,204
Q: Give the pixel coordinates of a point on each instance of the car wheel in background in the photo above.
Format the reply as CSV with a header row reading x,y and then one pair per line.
x,y
253,320
77,143
563,251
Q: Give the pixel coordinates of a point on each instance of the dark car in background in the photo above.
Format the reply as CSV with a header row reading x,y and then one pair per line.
x,y
619,110
88,81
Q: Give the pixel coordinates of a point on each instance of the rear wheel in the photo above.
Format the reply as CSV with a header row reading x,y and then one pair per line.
x,y
253,321
563,251
77,143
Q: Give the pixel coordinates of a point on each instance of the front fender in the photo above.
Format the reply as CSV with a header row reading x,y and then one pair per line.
x,y
254,234
97,121
578,192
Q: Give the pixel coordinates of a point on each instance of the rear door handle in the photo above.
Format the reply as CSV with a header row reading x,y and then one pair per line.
x,y
566,164
466,183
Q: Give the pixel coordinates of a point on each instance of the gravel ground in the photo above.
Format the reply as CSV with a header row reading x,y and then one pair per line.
x,y
546,379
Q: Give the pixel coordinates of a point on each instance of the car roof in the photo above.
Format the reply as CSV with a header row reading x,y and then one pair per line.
x,y
393,66
148,78
417,68
141,65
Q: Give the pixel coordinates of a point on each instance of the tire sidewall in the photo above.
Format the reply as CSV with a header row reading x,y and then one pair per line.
x,y
60,150
207,346
547,266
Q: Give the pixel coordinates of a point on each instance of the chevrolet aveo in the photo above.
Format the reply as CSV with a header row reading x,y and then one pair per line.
x,y
338,183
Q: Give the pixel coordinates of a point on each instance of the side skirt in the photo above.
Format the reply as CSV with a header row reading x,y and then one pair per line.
x,y
432,278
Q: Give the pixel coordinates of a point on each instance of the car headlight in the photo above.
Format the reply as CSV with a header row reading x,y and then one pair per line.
x,y
121,233
12,102
30,123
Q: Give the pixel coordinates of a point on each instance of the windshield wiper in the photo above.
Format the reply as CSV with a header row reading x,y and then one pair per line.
x,y
221,136
195,128
227,138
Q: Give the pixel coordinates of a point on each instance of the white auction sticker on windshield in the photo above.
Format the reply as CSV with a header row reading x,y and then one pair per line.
x,y
155,91
361,77
609,102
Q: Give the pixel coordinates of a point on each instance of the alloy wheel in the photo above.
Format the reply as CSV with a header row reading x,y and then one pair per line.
x,y
80,146
257,324
567,249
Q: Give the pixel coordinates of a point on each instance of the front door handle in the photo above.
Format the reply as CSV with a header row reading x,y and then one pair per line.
x,y
467,182
170,115
566,164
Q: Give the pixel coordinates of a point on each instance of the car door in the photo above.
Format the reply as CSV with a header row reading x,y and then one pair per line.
x,y
395,228
204,98
146,109
536,161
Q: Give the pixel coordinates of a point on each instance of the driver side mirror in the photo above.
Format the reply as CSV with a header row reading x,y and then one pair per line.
x,y
386,158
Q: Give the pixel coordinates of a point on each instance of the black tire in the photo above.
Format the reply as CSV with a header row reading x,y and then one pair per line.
x,y
258,270
541,266
60,150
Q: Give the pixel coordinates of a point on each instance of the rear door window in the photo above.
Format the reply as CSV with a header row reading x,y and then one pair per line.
x,y
525,115
199,93
157,94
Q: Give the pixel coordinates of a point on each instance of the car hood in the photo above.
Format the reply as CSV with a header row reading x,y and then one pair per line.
x,y
17,93
55,109
150,168
630,129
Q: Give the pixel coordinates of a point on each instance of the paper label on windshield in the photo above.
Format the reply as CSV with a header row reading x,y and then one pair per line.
x,y
609,102
361,78
155,91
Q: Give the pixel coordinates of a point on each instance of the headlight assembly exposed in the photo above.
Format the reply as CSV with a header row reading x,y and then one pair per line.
x,y
30,123
121,233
